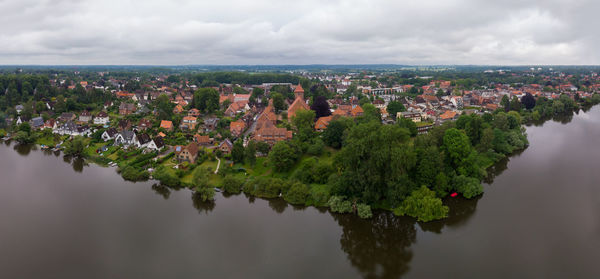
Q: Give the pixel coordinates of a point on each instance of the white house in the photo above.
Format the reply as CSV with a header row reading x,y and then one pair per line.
x,y
101,118
109,134
156,144
142,140
125,138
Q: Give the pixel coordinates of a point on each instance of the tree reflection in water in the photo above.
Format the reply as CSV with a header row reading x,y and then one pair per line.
x,y
202,206
23,149
378,247
279,205
161,190
461,210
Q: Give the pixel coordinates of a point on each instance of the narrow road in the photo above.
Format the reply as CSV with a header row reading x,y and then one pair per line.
x,y
218,165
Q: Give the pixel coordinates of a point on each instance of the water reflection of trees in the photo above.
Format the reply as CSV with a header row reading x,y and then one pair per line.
x,y
279,205
461,210
379,247
202,206
23,149
161,190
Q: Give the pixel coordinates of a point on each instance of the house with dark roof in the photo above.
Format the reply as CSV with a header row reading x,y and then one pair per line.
x,y
109,134
101,118
142,140
66,117
37,122
125,138
156,144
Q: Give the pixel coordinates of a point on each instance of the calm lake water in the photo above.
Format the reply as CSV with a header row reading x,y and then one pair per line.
x,y
539,217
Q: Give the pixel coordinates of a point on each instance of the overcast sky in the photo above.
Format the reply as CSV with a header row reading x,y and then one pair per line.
x,y
415,32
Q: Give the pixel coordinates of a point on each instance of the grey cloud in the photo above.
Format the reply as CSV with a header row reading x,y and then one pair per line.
x,y
298,32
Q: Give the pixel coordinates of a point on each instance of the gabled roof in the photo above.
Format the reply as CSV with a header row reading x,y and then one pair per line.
x,y
166,124
143,138
297,105
159,142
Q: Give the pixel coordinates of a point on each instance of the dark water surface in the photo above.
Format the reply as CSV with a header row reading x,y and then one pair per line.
x,y
540,217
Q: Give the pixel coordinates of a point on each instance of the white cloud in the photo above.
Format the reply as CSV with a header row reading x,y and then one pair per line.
x,y
298,32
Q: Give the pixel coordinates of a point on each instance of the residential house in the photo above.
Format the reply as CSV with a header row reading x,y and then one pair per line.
x,y
142,140
167,125
109,134
125,138
85,116
37,123
124,124
178,109
271,134
126,108
210,124
414,116
237,127
188,153
66,117
203,140
448,115
70,128
101,118
50,124
188,123
379,103
144,124
237,107
322,123
194,112
226,146
356,111
156,144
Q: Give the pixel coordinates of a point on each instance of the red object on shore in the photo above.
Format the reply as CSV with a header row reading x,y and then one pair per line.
x,y
454,195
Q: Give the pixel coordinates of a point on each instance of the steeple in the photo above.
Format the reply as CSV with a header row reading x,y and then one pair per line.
x,y
299,92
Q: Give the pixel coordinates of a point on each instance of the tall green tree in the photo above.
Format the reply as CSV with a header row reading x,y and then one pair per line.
x,y
394,107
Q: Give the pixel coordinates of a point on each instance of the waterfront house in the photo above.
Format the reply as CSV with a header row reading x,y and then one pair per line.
x,y
37,122
188,153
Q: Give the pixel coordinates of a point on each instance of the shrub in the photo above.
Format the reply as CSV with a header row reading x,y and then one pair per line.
x,y
364,211
132,174
232,184
469,187
339,205
166,177
205,193
423,205
297,193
